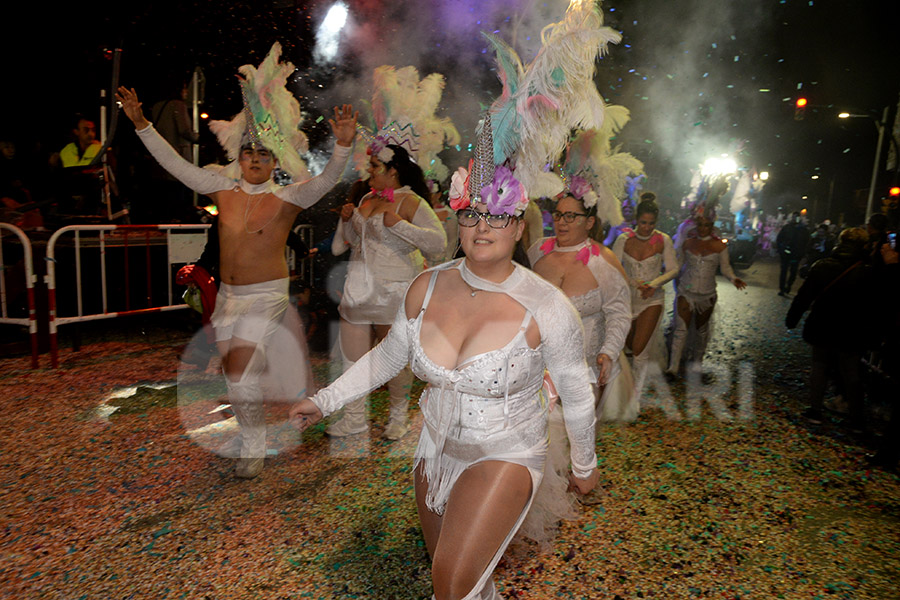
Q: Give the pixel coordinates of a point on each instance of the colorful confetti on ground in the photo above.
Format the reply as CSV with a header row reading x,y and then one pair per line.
x,y
126,505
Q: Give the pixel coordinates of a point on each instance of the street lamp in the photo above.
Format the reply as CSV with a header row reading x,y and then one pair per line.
x,y
718,166
879,125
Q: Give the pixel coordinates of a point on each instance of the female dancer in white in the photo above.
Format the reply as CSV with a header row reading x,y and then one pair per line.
x,y
650,262
702,255
480,456
387,234
593,279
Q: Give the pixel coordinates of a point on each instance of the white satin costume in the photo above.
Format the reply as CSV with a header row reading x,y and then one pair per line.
x,y
605,313
696,283
384,260
253,311
489,407
656,271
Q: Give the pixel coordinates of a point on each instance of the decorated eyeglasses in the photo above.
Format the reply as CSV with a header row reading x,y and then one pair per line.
x,y
468,217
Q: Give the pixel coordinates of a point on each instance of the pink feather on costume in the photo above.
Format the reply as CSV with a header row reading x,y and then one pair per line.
x,y
584,255
548,246
540,102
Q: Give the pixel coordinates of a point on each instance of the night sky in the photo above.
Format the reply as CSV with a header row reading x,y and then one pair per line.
x,y
701,77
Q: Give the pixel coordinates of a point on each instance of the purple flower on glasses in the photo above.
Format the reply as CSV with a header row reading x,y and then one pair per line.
x,y
504,194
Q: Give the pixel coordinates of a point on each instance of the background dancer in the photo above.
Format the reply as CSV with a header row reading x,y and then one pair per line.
x,y
387,234
255,216
702,255
648,257
393,230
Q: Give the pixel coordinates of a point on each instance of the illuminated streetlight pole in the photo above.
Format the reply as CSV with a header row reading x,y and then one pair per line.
x,y
879,125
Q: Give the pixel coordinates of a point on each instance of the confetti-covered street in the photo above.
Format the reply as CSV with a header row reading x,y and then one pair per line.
x,y
96,505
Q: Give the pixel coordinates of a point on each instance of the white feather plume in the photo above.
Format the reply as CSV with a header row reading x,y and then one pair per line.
x,y
404,110
557,92
276,114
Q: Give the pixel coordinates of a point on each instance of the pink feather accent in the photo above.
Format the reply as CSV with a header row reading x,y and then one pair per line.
x,y
584,255
540,102
548,246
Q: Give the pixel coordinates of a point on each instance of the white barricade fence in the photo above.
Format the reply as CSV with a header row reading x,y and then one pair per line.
x,y
31,320
183,244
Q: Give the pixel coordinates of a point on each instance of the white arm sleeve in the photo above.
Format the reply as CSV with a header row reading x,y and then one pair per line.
x,y
535,253
670,264
616,308
306,193
202,181
725,265
561,332
619,250
425,232
339,243
377,366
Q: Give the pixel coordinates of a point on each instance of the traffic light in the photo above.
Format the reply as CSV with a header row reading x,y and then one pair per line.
x,y
890,203
800,109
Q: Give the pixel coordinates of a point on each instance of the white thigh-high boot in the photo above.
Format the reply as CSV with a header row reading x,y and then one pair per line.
x,y
353,420
702,343
398,387
679,336
246,398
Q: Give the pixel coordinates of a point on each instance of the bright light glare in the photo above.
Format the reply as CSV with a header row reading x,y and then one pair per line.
x,y
335,19
764,175
844,115
814,177
329,32
718,166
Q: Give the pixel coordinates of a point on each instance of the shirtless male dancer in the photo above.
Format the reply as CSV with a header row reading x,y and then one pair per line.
x,y
255,217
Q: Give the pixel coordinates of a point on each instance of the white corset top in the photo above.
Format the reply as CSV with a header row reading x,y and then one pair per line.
x,y
699,274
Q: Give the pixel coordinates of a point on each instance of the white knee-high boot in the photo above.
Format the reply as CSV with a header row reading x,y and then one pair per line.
x,y
398,387
639,370
353,420
679,336
246,399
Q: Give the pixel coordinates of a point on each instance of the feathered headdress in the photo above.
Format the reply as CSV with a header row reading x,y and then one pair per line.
x,y
529,124
596,173
270,119
403,110
486,181
633,187
704,199
542,103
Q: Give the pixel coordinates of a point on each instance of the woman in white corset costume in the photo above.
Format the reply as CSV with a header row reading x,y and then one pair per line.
x,y
480,331
648,257
701,256
387,234
593,279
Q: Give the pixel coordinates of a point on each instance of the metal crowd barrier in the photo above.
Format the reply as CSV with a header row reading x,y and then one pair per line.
x,y
181,248
30,321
